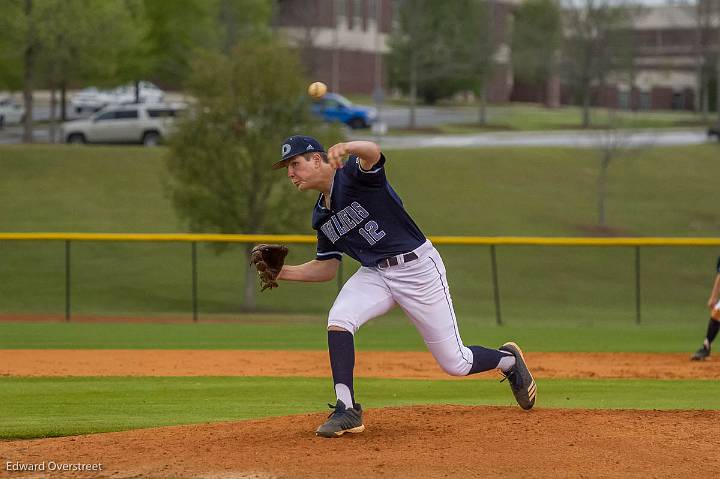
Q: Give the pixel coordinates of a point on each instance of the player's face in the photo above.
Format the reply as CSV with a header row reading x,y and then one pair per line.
x,y
303,173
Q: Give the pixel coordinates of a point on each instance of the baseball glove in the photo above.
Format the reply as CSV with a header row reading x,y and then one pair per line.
x,y
268,259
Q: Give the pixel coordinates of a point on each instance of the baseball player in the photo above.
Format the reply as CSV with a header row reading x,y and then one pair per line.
x,y
714,324
359,214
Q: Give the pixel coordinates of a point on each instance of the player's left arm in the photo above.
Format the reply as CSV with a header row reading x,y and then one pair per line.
x,y
367,151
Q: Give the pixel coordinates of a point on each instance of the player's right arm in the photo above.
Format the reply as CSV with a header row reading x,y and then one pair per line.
x,y
312,271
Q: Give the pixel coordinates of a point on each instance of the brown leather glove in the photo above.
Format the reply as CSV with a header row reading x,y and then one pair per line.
x,y
268,259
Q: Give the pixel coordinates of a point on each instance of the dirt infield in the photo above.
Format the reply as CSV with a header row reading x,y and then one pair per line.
x,y
412,442
418,442
411,365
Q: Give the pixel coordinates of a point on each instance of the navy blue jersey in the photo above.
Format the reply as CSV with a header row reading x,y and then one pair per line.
x,y
366,219
718,265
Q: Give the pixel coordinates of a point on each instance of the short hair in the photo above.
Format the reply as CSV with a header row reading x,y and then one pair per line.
x,y
322,154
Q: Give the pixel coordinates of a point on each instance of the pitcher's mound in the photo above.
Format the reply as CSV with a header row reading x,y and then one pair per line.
x,y
411,442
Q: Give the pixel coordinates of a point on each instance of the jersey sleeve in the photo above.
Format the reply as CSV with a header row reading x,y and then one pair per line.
x,y
373,177
326,249
718,265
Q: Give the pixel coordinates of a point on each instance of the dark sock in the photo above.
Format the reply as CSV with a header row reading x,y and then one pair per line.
x,y
484,359
342,359
712,331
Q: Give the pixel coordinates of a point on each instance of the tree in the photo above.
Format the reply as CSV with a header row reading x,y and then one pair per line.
x,y
84,42
20,24
173,30
432,49
537,36
219,179
614,143
474,38
54,42
598,35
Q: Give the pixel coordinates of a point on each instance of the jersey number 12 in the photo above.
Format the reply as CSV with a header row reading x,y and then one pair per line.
x,y
370,232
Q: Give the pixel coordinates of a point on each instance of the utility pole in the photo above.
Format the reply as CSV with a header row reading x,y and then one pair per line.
x,y
335,69
378,93
717,62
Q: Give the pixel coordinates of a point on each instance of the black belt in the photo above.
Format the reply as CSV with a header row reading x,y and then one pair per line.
x,y
393,261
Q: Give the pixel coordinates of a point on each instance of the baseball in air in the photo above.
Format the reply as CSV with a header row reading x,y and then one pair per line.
x,y
317,89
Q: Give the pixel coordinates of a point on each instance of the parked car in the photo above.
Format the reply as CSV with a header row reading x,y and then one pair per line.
x,y
148,124
10,112
333,107
91,99
714,132
149,93
94,99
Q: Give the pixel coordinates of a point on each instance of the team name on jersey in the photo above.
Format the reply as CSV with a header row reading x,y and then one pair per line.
x,y
348,218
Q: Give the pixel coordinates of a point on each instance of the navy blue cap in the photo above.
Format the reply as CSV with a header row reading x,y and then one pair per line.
x,y
297,145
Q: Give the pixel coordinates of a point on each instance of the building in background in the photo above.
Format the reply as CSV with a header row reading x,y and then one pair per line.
x,y
675,47
344,43
676,50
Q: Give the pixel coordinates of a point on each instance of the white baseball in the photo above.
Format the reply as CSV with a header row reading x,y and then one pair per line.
x,y
317,89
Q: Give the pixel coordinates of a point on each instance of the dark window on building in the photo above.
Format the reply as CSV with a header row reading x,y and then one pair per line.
x,y
645,100
372,9
341,11
678,101
624,100
357,14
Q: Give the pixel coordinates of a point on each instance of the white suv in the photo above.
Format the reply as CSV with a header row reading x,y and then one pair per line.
x,y
146,124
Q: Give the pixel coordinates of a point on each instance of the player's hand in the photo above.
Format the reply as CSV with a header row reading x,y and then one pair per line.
x,y
336,153
712,302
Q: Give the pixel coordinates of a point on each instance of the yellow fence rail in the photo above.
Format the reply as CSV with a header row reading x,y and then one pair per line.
x,y
492,241
308,239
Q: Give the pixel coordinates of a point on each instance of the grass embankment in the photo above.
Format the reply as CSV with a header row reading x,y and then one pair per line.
x,y
510,191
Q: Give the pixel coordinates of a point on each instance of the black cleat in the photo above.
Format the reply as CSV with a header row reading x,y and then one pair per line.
x,y
342,420
521,381
701,354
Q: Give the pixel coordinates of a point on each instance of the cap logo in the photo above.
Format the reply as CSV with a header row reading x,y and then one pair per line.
x,y
286,149
310,147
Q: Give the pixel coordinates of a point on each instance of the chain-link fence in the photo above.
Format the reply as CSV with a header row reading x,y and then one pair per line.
x,y
494,279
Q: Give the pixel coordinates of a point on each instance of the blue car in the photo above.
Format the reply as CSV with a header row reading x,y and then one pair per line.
x,y
336,108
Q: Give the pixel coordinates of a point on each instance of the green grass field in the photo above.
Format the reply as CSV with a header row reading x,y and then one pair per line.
x,y
393,333
41,407
553,299
658,192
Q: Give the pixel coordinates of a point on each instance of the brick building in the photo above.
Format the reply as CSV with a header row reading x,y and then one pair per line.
x,y
671,44
344,43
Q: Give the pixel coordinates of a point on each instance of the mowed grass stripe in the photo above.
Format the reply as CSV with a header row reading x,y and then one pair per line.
x,y
41,407
392,333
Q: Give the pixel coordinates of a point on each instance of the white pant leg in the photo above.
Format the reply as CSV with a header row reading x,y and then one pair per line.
x,y
363,297
421,290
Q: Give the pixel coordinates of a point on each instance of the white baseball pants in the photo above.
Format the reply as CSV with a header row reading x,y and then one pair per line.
x,y
420,288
